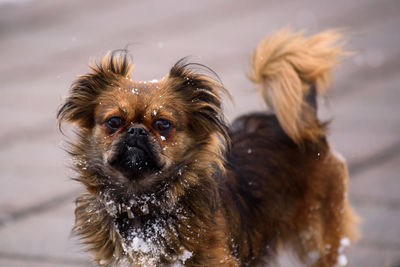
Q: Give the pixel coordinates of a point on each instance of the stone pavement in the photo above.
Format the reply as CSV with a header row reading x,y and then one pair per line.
x,y
44,44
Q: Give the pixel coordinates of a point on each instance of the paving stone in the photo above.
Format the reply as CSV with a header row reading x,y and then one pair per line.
x,y
372,257
366,120
45,44
380,226
46,235
379,183
38,263
33,172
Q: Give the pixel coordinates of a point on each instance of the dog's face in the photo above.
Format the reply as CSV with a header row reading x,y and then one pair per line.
x,y
140,129
132,132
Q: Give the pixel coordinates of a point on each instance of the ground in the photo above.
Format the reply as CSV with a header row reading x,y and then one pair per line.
x,y
45,44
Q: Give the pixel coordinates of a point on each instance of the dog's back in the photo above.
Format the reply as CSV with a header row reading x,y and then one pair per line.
x,y
284,185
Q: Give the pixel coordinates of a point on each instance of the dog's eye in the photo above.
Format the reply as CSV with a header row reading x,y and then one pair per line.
x,y
162,125
114,123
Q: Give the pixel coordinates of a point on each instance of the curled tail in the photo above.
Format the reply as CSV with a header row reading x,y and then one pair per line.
x,y
290,70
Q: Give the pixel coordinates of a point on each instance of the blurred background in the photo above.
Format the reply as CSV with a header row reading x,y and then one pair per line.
x,y
44,44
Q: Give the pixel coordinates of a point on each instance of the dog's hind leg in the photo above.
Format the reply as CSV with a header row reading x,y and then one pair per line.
x,y
325,224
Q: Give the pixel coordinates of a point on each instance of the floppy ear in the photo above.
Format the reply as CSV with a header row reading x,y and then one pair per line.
x,y
81,101
202,98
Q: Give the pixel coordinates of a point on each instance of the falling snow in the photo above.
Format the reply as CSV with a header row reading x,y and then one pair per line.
x,y
135,91
342,259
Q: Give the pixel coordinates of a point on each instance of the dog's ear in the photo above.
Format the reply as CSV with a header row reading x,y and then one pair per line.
x,y
82,99
202,97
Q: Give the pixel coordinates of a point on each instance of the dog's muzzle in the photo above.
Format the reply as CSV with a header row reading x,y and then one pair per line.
x,y
133,155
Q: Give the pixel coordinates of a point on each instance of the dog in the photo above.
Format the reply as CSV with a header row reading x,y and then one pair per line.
x,y
169,182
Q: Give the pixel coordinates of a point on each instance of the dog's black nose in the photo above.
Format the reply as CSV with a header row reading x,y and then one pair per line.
x,y
137,131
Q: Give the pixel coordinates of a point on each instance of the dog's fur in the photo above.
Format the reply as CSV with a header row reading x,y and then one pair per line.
x,y
213,195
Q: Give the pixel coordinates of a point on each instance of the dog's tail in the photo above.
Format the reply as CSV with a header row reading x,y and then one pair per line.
x,y
290,70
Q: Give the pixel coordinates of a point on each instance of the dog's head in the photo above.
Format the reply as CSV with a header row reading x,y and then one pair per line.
x,y
136,133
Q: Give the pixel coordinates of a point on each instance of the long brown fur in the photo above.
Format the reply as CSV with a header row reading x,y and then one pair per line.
x,y
285,65
222,196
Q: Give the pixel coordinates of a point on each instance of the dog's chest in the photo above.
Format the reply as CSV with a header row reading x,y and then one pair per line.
x,y
144,239
150,240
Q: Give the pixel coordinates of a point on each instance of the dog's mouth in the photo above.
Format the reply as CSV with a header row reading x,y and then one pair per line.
x,y
133,160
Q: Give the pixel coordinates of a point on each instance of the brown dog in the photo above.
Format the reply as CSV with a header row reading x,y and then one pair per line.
x,y
168,182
